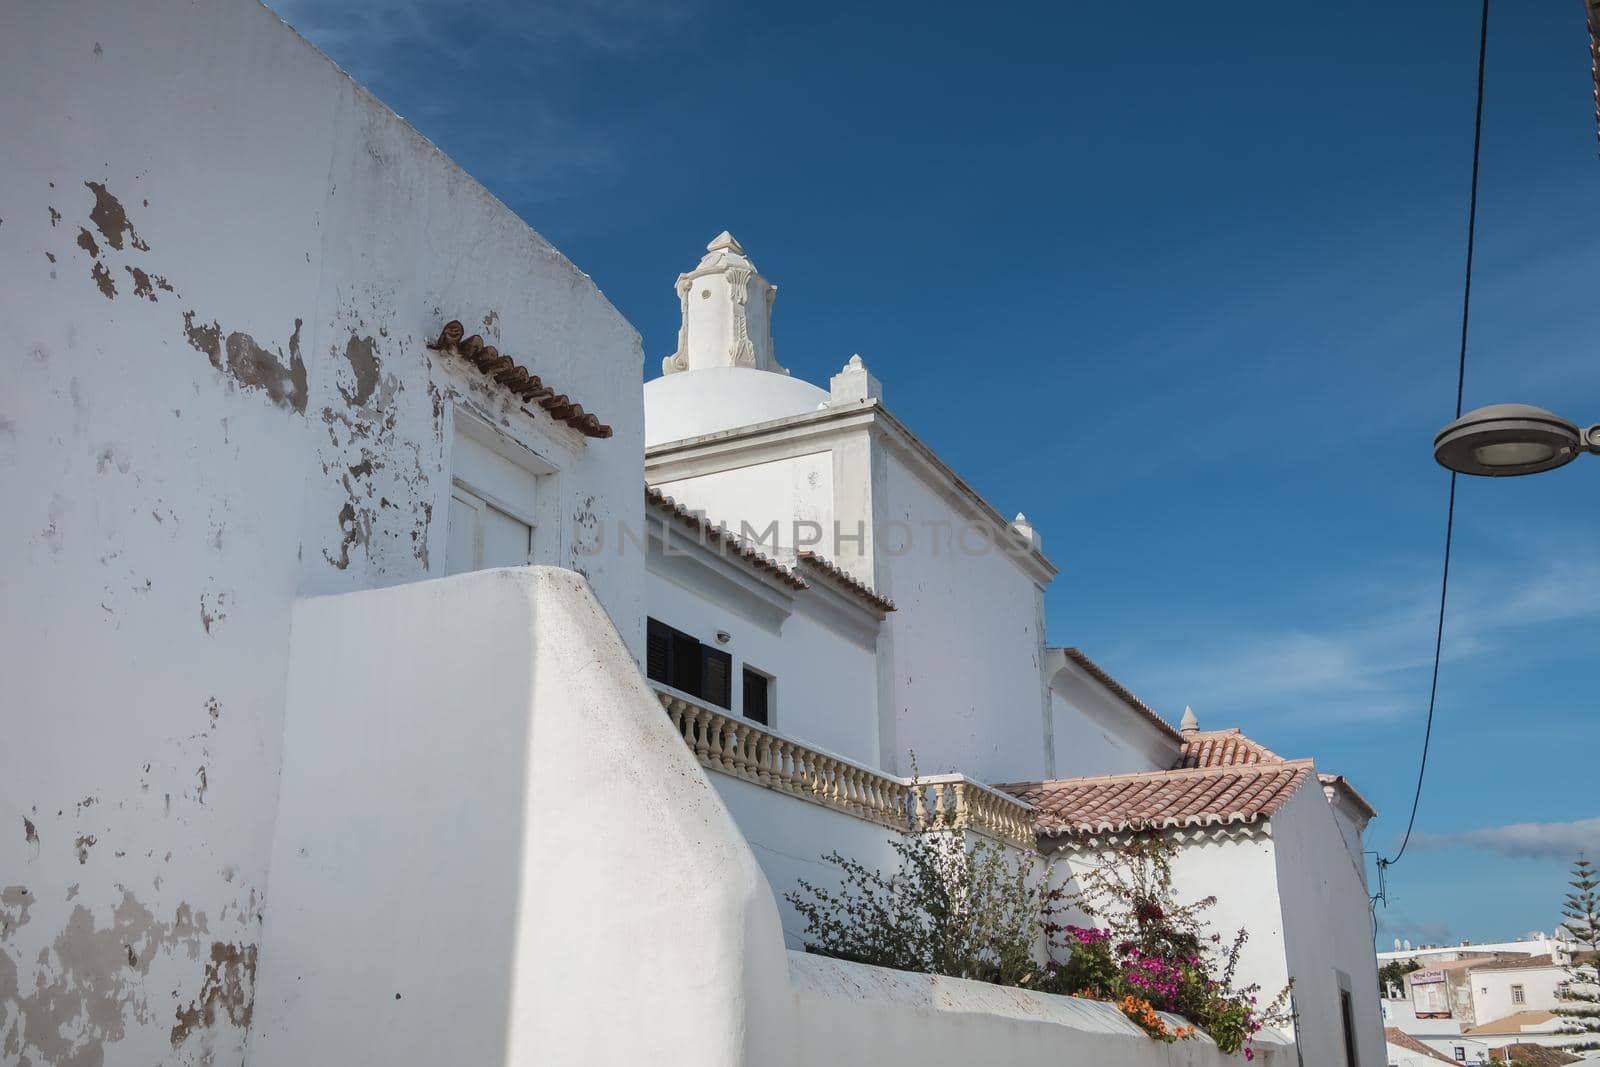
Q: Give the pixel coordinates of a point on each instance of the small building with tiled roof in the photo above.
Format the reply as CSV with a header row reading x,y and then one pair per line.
x,y
1525,1054
1407,1051
1162,800
1273,841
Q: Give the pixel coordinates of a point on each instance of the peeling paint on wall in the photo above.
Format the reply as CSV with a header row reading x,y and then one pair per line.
x,y
179,505
111,220
363,359
89,983
102,279
229,986
252,366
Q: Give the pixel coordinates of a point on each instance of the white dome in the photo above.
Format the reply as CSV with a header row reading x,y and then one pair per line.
x,y
696,402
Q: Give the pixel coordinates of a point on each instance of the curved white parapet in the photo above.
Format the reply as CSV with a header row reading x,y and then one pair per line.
x,y
854,1015
493,848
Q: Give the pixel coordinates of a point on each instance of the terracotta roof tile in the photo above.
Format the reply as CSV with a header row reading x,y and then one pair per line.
x,y
1098,673
1524,1054
718,536
1223,748
517,378
1160,800
1513,1023
1400,1038
848,581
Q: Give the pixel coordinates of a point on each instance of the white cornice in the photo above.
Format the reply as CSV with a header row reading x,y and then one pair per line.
x,y
813,431
708,570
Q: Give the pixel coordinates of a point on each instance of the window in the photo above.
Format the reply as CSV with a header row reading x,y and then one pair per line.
x,y
497,490
1518,995
1347,1012
674,658
757,696
1461,1054
482,535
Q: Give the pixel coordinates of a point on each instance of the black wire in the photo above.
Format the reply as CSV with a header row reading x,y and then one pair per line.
x,y
1461,381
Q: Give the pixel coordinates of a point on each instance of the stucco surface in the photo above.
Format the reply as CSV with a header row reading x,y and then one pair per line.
x,y
966,643
222,260
489,831
713,399
852,1014
1328,929
1093,732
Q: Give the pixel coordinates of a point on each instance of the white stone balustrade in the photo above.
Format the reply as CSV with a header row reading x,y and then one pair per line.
x,y
745,750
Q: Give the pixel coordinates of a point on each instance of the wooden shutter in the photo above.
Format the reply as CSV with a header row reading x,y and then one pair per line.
x,y
658,647
716,677
756,708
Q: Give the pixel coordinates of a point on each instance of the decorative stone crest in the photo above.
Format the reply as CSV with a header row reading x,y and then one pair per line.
x,y
725,309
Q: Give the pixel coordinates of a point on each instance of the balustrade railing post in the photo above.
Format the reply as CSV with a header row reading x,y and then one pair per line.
x,y
742,750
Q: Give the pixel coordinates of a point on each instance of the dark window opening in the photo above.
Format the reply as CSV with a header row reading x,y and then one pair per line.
x,y
1348,1012
674,658
757,697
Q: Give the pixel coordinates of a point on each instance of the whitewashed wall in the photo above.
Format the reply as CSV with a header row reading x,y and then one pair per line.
x,y
857,1016
1239,870
796,489
790,837
1094,732
965,642
1327,928
1491,991
491,837
222,259
826,681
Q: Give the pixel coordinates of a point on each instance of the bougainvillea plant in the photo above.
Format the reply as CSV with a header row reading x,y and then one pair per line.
x,y
1149,952
977,910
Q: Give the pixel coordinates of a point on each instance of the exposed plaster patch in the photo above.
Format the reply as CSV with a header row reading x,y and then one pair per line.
x,y
361,354
86,242
29,834
102,278
55,217
90,982
83,844
111,220
145,285
241,358
355,527
229,986
15,900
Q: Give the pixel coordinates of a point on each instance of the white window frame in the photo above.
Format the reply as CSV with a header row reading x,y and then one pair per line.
x,y
547,542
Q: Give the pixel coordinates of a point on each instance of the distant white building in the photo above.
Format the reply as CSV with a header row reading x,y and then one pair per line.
x,y
1474,1003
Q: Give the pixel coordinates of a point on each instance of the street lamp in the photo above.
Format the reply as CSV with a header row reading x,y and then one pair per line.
x,y
1502,440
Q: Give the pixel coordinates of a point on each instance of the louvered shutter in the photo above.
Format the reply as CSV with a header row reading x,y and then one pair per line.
x,y
658,662
716,677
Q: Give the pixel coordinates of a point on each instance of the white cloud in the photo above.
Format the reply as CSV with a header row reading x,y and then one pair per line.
x,y
1398,926
1371,664
1526,840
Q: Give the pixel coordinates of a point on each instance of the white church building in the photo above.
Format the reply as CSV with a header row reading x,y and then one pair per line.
x,y
389,678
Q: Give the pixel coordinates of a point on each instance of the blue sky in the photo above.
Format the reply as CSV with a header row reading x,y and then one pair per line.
x,y
1183,285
